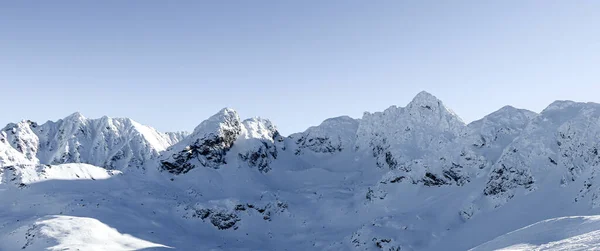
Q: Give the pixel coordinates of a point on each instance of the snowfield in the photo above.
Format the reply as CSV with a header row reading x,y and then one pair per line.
x,y
60,232
565,233
408,178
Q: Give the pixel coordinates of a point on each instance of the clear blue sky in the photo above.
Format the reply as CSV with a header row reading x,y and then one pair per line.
x,y
171,64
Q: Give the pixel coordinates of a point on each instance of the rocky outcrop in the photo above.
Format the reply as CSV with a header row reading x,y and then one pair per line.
x,y
259,144
227,214
206,146
562,140
490,135
225,139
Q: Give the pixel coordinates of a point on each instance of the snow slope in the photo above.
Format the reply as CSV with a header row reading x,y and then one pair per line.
x,y
26,174
565,233
59,232
408,178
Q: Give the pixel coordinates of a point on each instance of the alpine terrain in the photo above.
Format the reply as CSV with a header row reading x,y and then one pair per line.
x,y
407,178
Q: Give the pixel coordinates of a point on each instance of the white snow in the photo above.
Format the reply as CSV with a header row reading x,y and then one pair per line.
x,y
28,174
61,232
564,233
331,136
114,143
408,178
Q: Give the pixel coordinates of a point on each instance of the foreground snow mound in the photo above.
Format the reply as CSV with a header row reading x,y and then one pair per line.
x,y
61,232
22,175
565,233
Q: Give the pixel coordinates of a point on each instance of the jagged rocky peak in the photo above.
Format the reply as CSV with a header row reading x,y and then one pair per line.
x,y
260,128
259,143
206,146
225,121
563,141
429,108
331,136
254,141
112,143
400,135
8,154
425,100
22,138
75,117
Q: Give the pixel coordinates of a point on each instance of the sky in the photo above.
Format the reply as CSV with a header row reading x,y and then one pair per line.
x,y
172,64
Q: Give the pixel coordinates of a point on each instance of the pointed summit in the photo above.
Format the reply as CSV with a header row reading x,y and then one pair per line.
x,y
206,146
510,113
76,116
423,95
425,100
426,103
226,117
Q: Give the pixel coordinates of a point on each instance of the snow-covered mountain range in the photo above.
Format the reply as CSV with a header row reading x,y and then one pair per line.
x,y
408,178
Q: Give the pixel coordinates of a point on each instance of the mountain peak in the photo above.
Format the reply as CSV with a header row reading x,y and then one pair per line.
x,y
424,97
568,104
508,109
225,116
227,110
76,116
425,100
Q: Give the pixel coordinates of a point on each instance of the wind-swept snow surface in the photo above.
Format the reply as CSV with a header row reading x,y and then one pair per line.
x,y
565,233
59,232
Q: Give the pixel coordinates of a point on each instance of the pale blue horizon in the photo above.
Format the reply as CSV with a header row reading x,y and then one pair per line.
x,y
171,65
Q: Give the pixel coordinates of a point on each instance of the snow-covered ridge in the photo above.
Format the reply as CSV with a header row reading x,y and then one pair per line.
x,y
112,143
331,136
61,232
408,178
562,142
256,142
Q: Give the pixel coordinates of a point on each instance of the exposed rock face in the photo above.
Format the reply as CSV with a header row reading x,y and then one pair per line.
x,y
227,214
408,178
331,136
21,137
259,144
206,146
376,236
492,134
255,142
416,140
112,143
563,140
8,154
